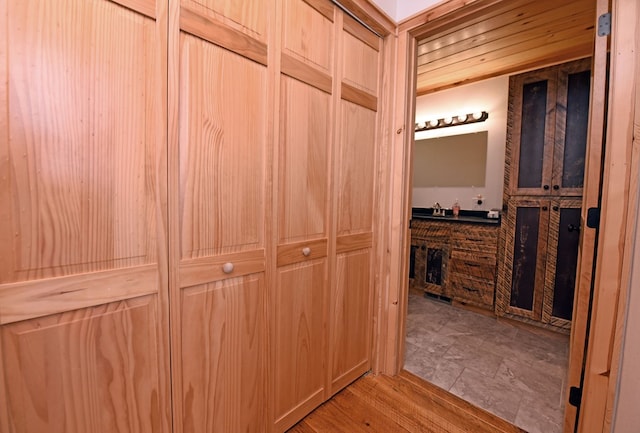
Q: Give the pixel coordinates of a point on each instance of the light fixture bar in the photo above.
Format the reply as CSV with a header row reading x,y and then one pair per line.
x,y
463,119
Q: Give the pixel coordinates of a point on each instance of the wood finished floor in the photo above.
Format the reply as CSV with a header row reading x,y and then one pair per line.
x,y
403,403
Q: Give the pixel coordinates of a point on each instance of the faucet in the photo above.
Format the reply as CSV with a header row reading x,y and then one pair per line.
x,y
437,209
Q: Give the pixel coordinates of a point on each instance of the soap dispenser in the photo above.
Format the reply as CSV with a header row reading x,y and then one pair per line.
x,y
456,209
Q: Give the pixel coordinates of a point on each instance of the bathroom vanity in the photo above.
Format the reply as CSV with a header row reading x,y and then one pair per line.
x,y
454,258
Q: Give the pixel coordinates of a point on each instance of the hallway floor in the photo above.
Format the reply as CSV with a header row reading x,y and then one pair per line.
x,y
505,369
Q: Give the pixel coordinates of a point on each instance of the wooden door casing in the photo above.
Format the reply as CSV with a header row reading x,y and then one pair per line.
x,y
83,275
219,158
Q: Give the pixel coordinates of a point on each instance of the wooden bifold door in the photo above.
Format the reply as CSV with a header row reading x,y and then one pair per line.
x,y
187,208
83,192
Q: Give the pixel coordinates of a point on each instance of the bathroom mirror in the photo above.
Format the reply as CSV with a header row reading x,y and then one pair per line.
x,y
451,161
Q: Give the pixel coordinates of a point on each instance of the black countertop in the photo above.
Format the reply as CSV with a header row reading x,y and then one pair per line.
x,y
465,216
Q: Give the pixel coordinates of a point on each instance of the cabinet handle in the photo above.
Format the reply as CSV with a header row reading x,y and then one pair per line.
x,y
545,208
545,187
472,265
306,251
573,228
555,208
556,187
470,289
227,268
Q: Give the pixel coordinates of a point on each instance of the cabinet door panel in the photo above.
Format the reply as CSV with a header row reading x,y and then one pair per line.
x,y
300,340
532,136
562,262
523,273
350,340
572,119
530,132
223,354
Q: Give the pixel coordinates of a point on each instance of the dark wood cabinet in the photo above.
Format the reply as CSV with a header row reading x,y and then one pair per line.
x,y
455,260
548,119
544,176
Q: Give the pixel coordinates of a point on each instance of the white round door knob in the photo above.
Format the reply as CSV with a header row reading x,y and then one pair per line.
x,y
306,251
227,268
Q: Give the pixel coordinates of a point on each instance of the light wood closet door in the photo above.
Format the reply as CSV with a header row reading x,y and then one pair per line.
x,y
301,286
355,162
83,270
220,154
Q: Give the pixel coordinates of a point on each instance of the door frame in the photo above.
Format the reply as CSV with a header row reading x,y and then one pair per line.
x,y
618,193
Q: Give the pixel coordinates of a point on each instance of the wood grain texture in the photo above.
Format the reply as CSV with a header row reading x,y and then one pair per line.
x,y
403,403
356,153
294,253
325,7
360,64
307,74
143,7
353,242
304,148
456,260
80,147
246,16
43,297
471,41
205,269
92,369
360,97
350,319
222,150
531,132
354,28
591,196
219,34
616,235
307,32
300,358
83,197
223,352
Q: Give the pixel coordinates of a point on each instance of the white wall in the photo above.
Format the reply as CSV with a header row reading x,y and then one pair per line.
x,y
401,9
490,96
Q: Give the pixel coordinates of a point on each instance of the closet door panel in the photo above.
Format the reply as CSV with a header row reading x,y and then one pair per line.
x,y
247,16
223,356
360,56
356,156
94,369
219,317
350,325
308,26
222,150
80,141
300,340
83,271
303,168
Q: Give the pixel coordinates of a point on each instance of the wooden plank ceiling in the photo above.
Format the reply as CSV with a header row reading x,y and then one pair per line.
x,y
512,36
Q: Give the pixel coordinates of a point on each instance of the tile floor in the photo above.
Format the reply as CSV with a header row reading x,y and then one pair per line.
x,y
509,371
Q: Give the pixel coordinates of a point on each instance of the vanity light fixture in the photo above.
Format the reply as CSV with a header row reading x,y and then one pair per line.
x,y
461,119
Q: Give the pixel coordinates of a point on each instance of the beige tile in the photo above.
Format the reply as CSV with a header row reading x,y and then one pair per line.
x,y
474,358
538,416
432,368
487,393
